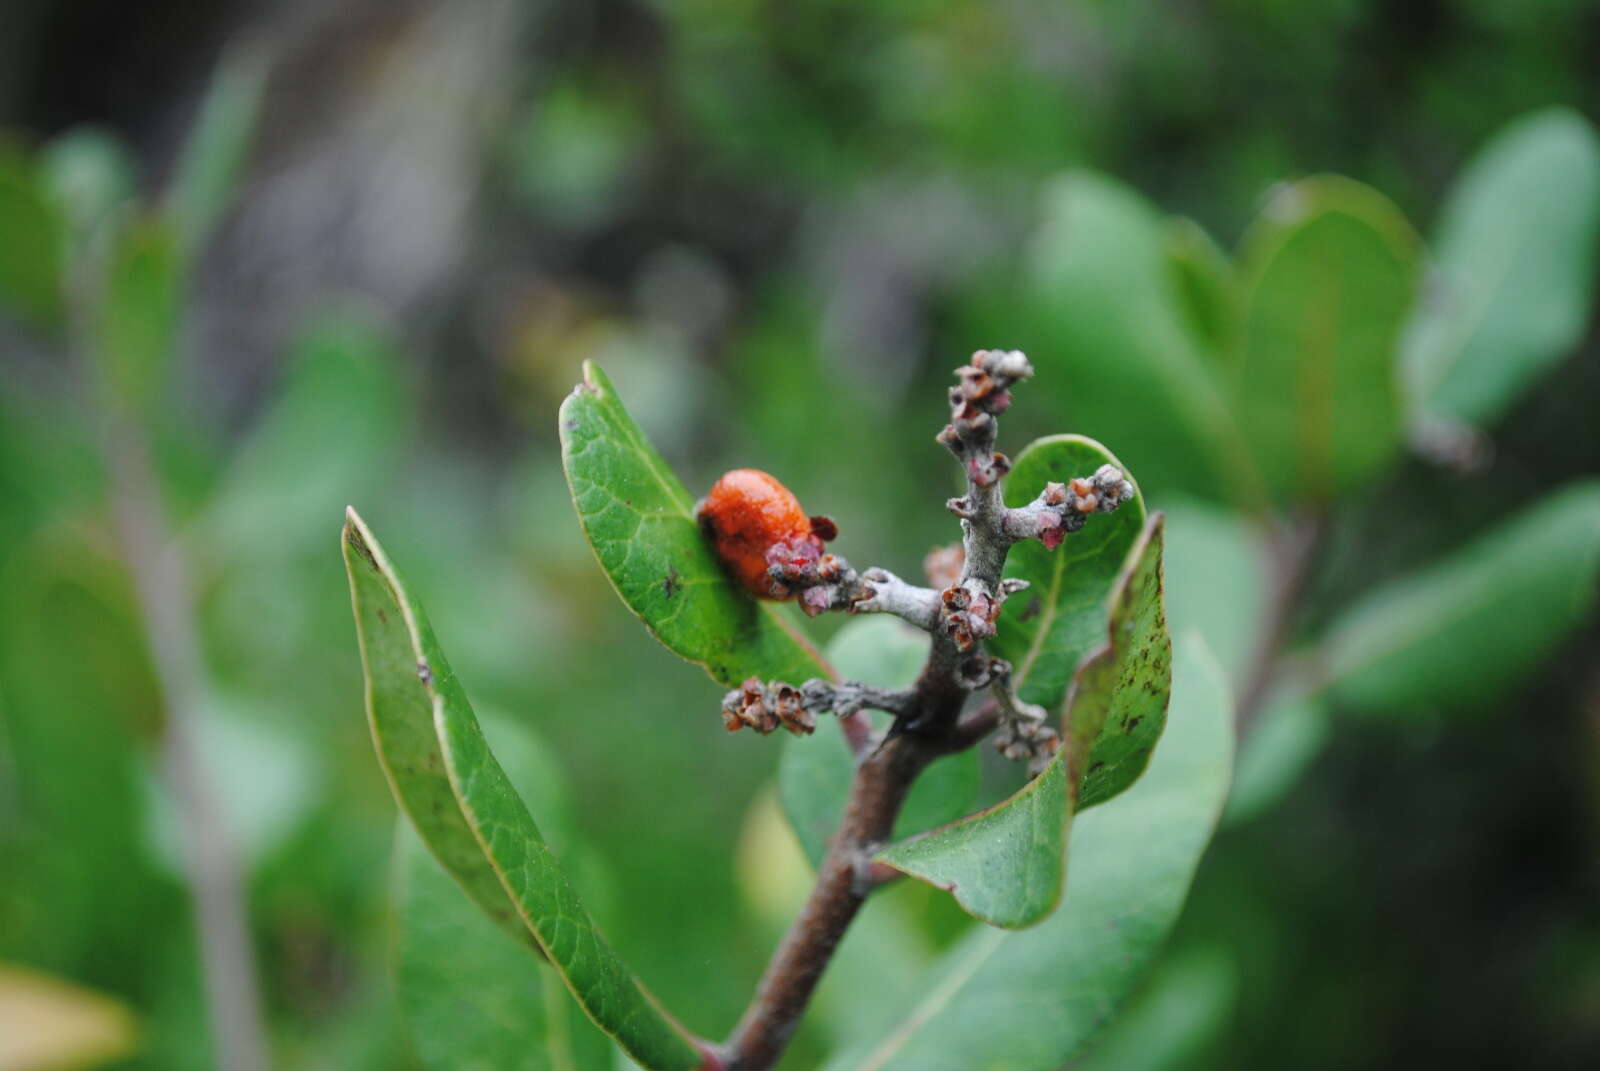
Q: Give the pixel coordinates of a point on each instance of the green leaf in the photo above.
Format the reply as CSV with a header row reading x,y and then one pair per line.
x,y
1119,353
472,998
1031,1001
1462,630
33,241
1214,583
469,815
1046,630
1202,280
1330,271
640,521
1514,259
814,772
1007,865
327,436
138,321
91,174
1189,1001
217,146
1275,755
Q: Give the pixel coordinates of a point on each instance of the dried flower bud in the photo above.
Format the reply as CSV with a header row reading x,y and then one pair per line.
x,y
761,534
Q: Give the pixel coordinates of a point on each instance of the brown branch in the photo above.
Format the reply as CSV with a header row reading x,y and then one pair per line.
x,y
845,879
1294,549
928,717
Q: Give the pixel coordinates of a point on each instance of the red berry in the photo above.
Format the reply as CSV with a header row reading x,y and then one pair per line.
x,y
752,519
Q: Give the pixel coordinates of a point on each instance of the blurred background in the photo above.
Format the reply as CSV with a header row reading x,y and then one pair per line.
x,y
259,261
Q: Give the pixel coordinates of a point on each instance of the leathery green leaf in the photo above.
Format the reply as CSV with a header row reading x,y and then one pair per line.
x,y
1007,865
1118,328
640,522
33,241
1514,258
1465,628
1032,1001
1330,272
473,998
1046,630
470,817
814,772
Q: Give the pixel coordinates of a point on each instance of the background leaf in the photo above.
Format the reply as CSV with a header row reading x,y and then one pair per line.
x,y
472,997
1203,283
814,772
215,151
33,237
1212,565
139,310
1275,753
469,815
1514,257
47,1024
640,521
1463,629
329,436
1031,1001
1006,865
1118,354
1330,271
91,173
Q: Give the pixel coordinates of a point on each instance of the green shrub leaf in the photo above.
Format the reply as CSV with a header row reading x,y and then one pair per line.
x,y
1514,258
1007,865
469,815
139,310
329,431
1330,271
471,996
1120,353
217,146
640,521
1031,1001
1463,629
33,242
1203,282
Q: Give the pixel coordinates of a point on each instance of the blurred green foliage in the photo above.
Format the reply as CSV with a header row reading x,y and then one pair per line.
x,y
779,228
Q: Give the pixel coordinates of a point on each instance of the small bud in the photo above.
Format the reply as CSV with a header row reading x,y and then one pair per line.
x,y
943,564
815,600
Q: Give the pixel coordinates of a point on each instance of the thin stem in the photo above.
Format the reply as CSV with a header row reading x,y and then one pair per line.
x,y
1294,549
166,607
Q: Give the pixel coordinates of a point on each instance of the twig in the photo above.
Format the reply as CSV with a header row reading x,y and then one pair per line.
x,y
928,716
166,609
1294,548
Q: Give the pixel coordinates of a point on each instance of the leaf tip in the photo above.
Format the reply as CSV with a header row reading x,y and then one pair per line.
x,y
357,537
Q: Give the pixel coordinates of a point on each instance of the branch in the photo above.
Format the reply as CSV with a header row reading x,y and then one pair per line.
x,y
928,716
844,881
1294,550
166,607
